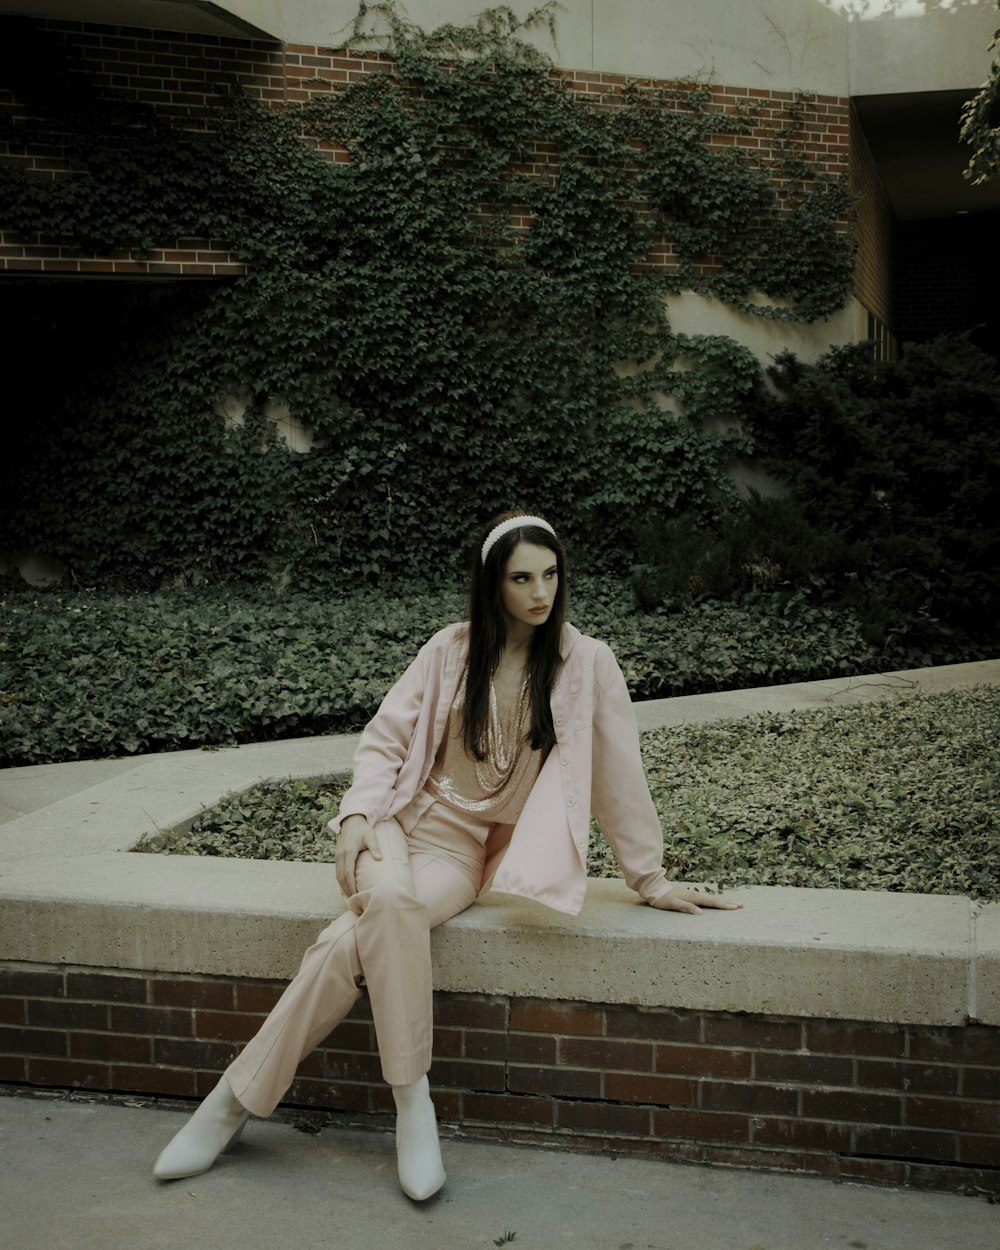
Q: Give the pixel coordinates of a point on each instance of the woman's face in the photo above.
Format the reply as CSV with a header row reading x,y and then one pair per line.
x,y
530,582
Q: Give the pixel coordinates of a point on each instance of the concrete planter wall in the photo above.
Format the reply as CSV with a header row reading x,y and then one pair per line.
x,y
832,1032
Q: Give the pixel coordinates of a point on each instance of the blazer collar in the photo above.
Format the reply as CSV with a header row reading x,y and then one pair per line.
x,y
570,636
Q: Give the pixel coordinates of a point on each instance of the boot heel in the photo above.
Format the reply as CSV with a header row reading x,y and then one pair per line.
x,y
234,1139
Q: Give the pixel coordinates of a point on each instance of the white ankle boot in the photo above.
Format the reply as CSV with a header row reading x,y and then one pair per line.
x,y
214,1127
418,1153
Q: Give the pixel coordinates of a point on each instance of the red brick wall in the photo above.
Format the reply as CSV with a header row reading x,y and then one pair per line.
x,y
903,1104
177,73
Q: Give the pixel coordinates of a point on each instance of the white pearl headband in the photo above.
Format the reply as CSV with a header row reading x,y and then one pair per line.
x,y
515,523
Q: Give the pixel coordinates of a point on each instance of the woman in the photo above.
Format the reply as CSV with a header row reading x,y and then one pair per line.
x,y
478,770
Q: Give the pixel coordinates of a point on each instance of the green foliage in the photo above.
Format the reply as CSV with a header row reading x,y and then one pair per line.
x,y
891,512
463,314
981,123
900,463
721,646
83,676
765,549
278,820
91,674
897,794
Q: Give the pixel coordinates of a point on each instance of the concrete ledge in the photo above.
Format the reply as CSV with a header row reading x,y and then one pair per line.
x,y
814,953
825,953
160,792
71,893
986,952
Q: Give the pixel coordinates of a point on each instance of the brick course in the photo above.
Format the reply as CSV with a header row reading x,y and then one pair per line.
x,y
900,1104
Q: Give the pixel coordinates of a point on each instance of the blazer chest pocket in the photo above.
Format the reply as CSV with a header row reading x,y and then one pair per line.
x,y
576,708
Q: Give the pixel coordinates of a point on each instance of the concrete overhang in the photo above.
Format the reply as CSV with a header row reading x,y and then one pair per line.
x,y
254,19
914,140
913,63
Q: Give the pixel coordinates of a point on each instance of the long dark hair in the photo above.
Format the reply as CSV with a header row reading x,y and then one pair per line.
x,y
488,633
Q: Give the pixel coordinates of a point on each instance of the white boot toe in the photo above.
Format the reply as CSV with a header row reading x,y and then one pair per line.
x,y
214,1127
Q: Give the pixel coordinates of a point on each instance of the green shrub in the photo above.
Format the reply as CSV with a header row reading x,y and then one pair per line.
x,y
891,511
722,646
901,460
763,544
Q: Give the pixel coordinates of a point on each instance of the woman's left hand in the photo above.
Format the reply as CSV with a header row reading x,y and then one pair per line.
x,y
356,835
692,901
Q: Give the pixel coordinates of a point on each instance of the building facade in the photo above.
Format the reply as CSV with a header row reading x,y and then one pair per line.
x,y
884,81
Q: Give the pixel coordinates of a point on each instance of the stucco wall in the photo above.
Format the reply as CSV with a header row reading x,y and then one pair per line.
x,y
781,45
918,45
834,47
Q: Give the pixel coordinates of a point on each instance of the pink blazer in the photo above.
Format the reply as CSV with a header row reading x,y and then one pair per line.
x,y
594,765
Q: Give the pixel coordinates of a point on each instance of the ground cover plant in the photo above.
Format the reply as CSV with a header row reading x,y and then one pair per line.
x,y
899,794
92,675
895,795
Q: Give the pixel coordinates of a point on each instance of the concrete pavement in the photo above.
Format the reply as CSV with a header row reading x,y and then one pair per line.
x,y
75,1175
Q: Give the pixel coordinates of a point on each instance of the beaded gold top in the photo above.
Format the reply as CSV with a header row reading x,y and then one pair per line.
x,y
496,788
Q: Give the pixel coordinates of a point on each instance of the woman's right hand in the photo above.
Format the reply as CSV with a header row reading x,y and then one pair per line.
x,y
356,835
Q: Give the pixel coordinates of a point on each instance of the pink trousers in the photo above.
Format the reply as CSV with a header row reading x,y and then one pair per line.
x,y
425,876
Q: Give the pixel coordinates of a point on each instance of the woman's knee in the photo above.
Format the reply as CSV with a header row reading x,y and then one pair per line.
x,y
391,893
392,867
387,904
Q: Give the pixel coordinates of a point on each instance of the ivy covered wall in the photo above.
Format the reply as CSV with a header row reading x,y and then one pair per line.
x,y
448,263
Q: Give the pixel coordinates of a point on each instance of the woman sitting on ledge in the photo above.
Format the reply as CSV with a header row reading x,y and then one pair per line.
x,y
478,771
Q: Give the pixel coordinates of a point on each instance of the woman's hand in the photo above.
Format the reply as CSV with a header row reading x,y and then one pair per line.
x,y
691,901
356,835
